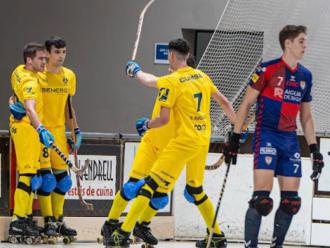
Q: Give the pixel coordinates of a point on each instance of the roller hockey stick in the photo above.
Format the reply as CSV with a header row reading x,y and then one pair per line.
x,y
138,33
218,207
220,161
83,203
74,168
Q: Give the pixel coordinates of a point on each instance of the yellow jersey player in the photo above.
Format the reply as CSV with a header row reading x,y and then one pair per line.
x,y
148,151
27,132
186,93
59,85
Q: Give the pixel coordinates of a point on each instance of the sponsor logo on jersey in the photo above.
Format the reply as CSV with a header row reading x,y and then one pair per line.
x,y
55,90
28,90
65,80
278,92
295,158
292,95
268,150
254,77
302,85
268,160
163,94
190,77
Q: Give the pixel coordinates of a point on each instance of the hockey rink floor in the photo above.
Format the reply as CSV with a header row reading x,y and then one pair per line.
x,y
164,244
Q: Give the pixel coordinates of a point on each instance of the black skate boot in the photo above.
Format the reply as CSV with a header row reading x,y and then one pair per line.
x,y
118,238
107,229
32,223
21,232
218,241
49,233
143,231
67,233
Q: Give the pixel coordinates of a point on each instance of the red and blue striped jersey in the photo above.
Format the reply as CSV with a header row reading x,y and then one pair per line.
x,y
282,90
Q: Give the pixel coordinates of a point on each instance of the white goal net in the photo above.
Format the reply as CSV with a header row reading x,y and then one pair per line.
x,y
248,32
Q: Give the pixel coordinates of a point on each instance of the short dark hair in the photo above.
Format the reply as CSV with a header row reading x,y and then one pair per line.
x,y
179,45
30,50
290,32
191,61
55,41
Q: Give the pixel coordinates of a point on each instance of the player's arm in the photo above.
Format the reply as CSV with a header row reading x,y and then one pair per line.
x,y
161,120
72,123
307,122
243,110
29,105
225,105
133,70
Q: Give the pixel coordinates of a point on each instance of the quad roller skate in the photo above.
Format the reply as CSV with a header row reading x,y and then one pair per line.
x,y
107,229
21,232
218,241
68,234
142,232
49,233
118,239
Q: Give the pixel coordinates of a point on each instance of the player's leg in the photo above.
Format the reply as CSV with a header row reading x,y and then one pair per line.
x,y
27,146
142,230
162,178
145,156
265,162
288,174
195,194
44,193
63,181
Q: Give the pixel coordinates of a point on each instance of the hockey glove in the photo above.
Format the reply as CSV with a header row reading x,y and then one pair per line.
x,y
141,125
17,109
244,136
317,160
78,138
132,68
230,149
46,138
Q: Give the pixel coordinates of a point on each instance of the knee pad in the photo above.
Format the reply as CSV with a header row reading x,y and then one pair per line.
x,y
36,182
48,182
290,205
151,184
131,188
263,204
64,183
190,192
159,200
23,186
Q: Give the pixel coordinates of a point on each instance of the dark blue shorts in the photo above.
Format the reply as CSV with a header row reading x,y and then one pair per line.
x,y
277,151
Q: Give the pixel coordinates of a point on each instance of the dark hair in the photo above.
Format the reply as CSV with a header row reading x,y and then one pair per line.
x,y
191,61
30,50
290,32
55,41
179,45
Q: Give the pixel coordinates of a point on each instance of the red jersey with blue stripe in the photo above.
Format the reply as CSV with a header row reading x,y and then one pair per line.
x,y
282,90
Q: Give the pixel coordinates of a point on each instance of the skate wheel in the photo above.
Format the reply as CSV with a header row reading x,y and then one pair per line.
x,y
12,239
72,239
28,241
52,241
100,240
66,240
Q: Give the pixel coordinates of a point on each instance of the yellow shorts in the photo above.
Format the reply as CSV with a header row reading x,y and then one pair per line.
x,y
171,161
27,147
144,159
48,157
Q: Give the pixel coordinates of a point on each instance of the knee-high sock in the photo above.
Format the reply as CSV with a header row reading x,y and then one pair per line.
x,y
22,197
147,214
29,207
118,206
57,204
138,206
45,203
207,211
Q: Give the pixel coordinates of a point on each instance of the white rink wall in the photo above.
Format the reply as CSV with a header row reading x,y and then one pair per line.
x,y
189,223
